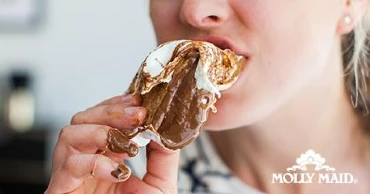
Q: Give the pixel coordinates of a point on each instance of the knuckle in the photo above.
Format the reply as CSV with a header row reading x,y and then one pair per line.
x,y
103,130
166,190
63,134
80,118
71,163
109,110
75,118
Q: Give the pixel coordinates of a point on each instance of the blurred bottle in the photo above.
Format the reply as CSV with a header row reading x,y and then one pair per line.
x,y
20,105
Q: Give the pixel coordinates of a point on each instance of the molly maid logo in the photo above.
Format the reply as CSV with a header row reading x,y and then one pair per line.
x,y
311,168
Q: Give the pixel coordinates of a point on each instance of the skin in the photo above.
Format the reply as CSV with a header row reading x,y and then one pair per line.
x,y
289,98
75,155
279,76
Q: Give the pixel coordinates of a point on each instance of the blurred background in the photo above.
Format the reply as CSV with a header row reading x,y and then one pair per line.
x,y
58,57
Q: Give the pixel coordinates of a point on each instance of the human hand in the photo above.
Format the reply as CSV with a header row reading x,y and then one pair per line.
x,y
83,164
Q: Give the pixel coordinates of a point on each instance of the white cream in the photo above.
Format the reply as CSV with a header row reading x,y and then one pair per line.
x,y
142,139
160,57
206,58
202,79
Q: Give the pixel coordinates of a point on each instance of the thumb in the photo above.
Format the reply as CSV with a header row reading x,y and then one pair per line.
x,y
162,168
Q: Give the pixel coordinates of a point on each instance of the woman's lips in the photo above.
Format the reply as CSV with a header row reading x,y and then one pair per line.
x,y
226,43
223,43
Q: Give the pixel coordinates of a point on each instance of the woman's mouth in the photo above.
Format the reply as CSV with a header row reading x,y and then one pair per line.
x,y
224,43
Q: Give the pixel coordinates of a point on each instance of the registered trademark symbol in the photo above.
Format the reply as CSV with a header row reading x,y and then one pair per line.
x,y
355,181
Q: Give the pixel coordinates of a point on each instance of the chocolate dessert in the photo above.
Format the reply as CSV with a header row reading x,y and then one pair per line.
x,y
180,82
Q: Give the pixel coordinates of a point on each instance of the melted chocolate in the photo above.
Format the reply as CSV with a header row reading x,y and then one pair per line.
x,y
122,172
179,115
119,143
177,110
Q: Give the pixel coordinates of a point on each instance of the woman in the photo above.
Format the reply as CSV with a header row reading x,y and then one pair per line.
x,y
291,97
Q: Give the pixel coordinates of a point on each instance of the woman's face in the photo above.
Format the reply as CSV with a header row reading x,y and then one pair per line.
x,y
287,43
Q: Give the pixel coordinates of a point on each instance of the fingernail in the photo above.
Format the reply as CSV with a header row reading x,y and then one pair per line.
x,y
115,165
143,113
132,111
122,172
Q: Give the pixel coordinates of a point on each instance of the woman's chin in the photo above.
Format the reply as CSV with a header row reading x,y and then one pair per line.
x,y
232,113
220,122
230,107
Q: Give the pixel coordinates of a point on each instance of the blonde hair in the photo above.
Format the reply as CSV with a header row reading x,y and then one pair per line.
x,y
356,61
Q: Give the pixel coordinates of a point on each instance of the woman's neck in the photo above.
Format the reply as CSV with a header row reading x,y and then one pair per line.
x,y
321,118
258,151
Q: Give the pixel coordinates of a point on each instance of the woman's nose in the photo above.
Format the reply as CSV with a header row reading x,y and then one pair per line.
x,y
204,14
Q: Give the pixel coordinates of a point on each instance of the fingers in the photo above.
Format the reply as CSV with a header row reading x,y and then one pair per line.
x,y
119,116
84,138
161,176
76,162
133,100
162,168
81,167
118,112
90,138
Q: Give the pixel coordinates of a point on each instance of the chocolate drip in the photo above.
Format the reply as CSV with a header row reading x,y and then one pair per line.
x,y
119,143
122,172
